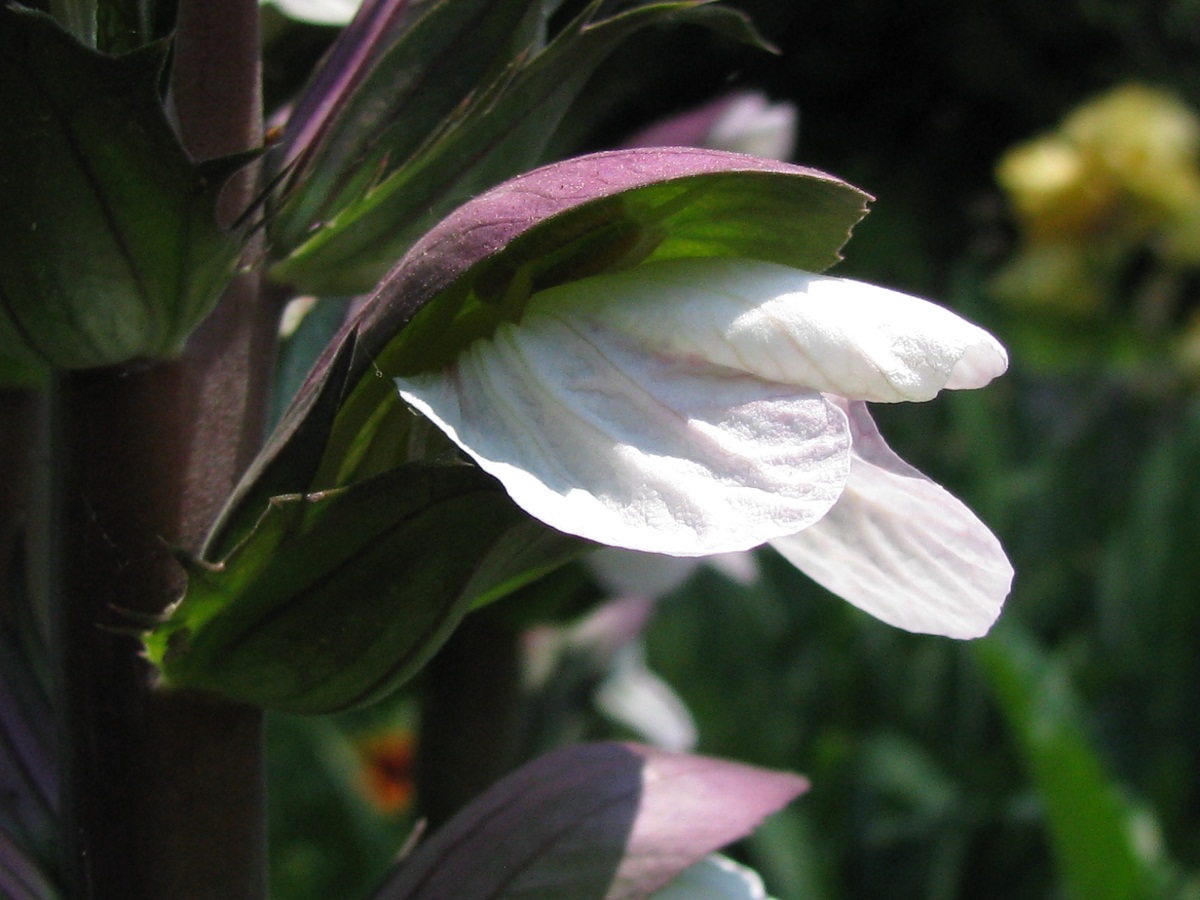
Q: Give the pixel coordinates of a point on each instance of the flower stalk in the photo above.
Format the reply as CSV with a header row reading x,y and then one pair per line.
x,y
163,793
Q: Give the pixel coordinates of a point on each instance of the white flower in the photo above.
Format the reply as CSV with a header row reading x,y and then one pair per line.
x,y
704,406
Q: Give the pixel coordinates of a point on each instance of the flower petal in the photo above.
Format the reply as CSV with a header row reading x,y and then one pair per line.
x,y
601,436
900,547
835,335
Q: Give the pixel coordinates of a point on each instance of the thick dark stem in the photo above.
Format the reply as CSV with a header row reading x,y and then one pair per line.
x,y
469,715
163,791
18,412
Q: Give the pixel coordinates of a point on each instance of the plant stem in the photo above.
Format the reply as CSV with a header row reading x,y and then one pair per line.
x,y
17,414
469,715
163,792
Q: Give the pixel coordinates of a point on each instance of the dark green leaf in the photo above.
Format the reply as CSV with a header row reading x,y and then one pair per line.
x,y
337,598
388,84
109,246
125,25
21,375
1108,850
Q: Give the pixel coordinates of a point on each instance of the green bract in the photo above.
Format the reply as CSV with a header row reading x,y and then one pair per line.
x,y
337,598
110,245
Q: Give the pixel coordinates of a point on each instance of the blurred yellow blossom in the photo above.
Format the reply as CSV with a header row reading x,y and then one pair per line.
x,y
1118,177
1051,190
1146,140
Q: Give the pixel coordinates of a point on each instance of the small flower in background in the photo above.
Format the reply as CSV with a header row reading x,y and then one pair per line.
x,y
387,776
604,652
1121,175
741,122
317,12
634,696
600,660
623,573
295,312
706,406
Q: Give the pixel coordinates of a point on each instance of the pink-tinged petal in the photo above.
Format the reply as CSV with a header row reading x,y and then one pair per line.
x,y
777,323
598,435
902,548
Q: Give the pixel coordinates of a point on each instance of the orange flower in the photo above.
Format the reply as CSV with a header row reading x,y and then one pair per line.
x,y
386,777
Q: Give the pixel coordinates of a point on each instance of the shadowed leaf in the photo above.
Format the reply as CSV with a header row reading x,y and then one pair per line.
x,y
335,599
592,822
1107,849
109,244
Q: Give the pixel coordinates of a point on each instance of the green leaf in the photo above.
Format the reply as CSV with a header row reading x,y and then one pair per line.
x,y
22,375
125,25
1149,573
109,245
335,599
1107,848
390,82
502,131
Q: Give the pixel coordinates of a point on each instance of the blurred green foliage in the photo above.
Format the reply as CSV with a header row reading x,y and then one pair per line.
x,y
1044,759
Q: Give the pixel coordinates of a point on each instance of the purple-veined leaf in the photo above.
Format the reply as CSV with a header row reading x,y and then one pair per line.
x,y
397,71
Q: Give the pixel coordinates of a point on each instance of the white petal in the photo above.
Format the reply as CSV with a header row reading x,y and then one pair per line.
x,y
319,12
903,549
601,436
715,877
635,697
835,335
